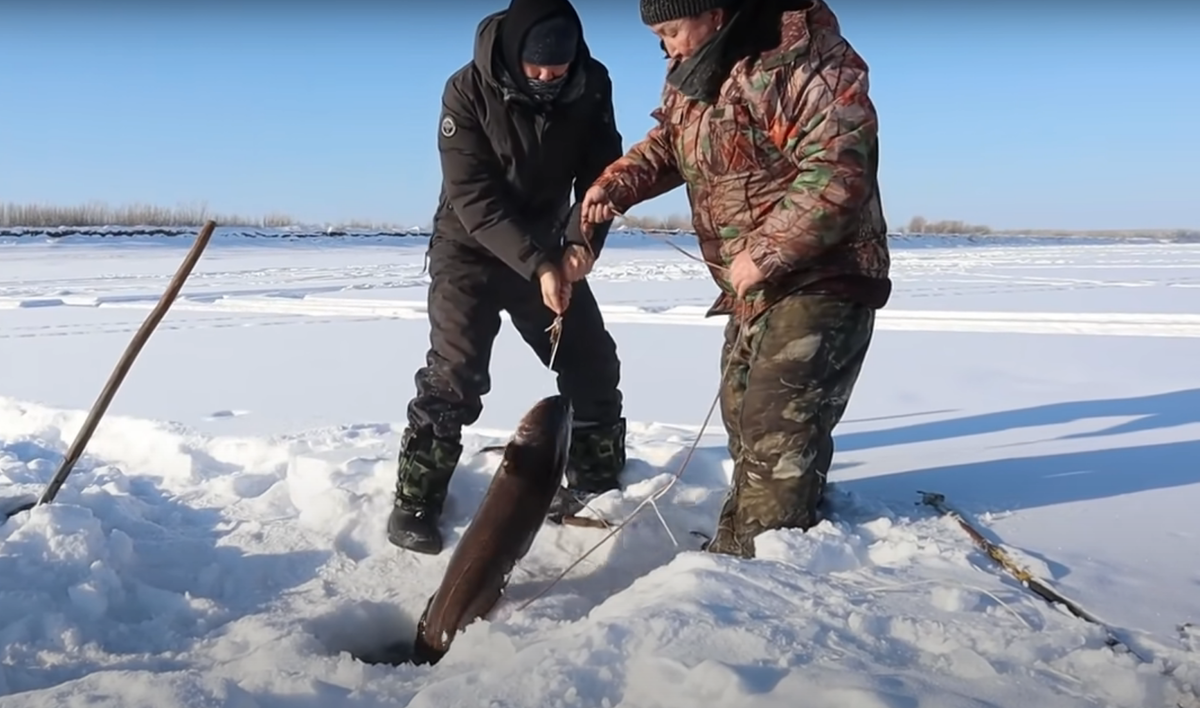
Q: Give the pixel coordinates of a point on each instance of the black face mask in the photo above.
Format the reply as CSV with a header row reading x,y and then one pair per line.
x,y
546,91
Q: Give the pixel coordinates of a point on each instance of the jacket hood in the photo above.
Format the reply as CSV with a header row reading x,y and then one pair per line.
x,y
500,33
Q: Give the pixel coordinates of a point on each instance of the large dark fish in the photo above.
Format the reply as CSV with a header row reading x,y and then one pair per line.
x,y
503,529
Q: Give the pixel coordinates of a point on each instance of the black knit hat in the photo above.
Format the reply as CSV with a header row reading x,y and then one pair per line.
x,y
551,42
656,11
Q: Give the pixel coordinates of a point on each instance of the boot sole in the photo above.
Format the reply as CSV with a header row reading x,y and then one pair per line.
x,y
408,543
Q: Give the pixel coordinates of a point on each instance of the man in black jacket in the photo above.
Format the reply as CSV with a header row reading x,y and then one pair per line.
x,y
524,124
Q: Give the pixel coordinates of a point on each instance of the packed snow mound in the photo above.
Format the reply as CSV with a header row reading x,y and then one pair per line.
x,y
181,570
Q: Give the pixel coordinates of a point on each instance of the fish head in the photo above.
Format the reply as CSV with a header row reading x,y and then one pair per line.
x,y
547,425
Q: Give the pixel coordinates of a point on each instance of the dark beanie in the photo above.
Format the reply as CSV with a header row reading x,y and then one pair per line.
x,y
656,11
551,42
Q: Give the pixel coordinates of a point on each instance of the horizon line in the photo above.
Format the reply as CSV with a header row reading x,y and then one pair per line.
x,y
141,215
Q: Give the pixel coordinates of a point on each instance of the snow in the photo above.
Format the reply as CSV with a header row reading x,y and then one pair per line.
x,y
221,541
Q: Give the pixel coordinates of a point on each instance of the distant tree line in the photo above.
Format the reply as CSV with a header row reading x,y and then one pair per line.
x,y
674,222
95,214
100,214
921,225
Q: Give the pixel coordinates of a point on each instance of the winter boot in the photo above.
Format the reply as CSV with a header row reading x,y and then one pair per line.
x,y
596,460
422,480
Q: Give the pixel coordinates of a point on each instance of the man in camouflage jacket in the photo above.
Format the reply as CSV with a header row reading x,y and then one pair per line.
x,y
766,119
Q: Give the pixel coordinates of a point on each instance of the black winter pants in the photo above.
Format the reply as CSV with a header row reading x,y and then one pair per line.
x,y
467,292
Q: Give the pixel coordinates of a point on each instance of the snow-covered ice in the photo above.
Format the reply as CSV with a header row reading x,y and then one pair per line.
x,y
221,541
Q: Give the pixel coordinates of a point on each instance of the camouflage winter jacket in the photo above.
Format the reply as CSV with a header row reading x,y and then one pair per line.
x,y
782,162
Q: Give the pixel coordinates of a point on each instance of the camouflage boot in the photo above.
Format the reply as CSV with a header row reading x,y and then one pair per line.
x,y
422,480
596,460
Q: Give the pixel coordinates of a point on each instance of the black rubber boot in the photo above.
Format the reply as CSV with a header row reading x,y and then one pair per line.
x,y
422,480
597,458
413,526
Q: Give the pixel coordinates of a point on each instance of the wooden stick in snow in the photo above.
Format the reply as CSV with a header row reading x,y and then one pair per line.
x,y
123,365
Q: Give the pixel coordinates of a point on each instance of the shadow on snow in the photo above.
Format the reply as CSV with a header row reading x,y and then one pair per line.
x,y
1033,481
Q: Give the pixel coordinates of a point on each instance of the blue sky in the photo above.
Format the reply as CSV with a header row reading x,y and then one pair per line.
x,y
1014,114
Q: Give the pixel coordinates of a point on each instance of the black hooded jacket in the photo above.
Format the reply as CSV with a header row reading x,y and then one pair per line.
x,y
509,164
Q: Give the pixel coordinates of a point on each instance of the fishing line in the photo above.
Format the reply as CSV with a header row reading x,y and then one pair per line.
x,y
674,477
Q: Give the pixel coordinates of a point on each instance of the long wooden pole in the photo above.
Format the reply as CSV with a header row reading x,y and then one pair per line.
x,y
1037,586
123,365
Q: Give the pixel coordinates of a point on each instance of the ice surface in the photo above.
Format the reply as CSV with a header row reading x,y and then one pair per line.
x,y
221,541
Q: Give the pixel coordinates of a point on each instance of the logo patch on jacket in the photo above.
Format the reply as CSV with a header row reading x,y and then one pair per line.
x,y
448,127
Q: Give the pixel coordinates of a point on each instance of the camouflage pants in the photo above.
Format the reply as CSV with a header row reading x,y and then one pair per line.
x,y
786,384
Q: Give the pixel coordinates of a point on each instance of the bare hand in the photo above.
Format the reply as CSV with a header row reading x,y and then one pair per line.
x,y
744,273
556,290
597,208
577,263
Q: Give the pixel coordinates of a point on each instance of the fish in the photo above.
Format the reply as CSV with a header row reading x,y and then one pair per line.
x,y
503,529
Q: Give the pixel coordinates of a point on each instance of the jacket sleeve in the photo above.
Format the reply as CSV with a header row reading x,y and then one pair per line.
x,y
827,126
475,186
603,148
647,170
